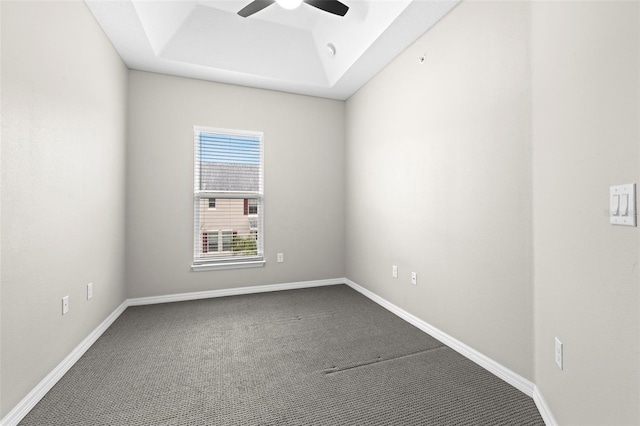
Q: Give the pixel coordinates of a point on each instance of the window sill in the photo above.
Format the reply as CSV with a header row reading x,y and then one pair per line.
x,y
229,265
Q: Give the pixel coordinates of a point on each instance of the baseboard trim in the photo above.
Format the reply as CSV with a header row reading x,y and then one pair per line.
x,y
28,402
519,382
482,360
543,408
181,297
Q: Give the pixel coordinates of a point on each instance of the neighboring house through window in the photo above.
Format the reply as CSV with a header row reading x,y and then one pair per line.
x,y
210,241
250,206
253,206
227,240
228,194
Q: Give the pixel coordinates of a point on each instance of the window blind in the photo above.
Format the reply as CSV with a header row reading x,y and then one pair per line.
x,y
228,197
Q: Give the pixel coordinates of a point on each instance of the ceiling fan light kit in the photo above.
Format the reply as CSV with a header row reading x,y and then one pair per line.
x,y
289,4
332,6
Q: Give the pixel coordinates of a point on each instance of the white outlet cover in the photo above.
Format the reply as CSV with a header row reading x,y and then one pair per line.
x,y
558,353
394,271
65,305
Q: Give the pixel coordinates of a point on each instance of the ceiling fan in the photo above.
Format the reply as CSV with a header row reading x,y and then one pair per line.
x,y
331,6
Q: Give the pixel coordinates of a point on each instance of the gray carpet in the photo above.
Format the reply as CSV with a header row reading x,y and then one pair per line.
x,y
319,356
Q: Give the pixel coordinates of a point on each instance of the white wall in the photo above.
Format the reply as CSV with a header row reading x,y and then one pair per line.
x,y
586,137
63,170
304,176
439,181
458,169
487,171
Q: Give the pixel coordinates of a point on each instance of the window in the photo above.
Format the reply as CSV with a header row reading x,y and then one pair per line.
x,y
250,206
228,195
227,240
253,206
210,242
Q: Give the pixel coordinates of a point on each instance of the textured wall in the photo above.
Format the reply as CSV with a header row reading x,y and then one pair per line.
x,y
304,175
438,181
586,72
63,169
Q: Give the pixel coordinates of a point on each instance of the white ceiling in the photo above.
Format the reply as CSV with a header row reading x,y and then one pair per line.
x,y
275,49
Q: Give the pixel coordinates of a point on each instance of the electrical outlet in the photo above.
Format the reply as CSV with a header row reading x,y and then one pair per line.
x,y
394,271
65,305
559,353
89,291
414,278
280,257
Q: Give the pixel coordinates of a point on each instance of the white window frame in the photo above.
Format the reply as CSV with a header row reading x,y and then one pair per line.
x,y
245,261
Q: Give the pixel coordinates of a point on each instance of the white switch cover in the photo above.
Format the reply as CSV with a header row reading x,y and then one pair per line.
x,y
394,271
414,278
280,257
89,291
622,205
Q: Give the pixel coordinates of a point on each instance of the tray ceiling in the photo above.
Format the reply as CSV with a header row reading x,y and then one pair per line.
x,y
277,49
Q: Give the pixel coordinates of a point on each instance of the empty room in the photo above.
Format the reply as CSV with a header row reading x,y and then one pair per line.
x,y
319,212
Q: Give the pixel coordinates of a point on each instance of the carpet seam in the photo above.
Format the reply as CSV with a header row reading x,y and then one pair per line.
x,y
379,360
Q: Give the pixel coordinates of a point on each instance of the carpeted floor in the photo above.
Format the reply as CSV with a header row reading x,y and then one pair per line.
x,y
319,356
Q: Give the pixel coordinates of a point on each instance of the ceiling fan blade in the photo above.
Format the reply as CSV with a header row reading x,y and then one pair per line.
x,y
254,6
331,6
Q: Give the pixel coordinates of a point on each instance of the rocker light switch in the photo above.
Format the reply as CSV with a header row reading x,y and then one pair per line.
x,y
615,205
622,202
624,205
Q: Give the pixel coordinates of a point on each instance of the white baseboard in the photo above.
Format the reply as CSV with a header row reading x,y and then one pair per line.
x,y
181,297
545,411
482,360
519,382
28,402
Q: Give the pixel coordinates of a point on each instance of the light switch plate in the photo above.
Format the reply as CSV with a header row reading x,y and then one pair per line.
x,y
622,205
